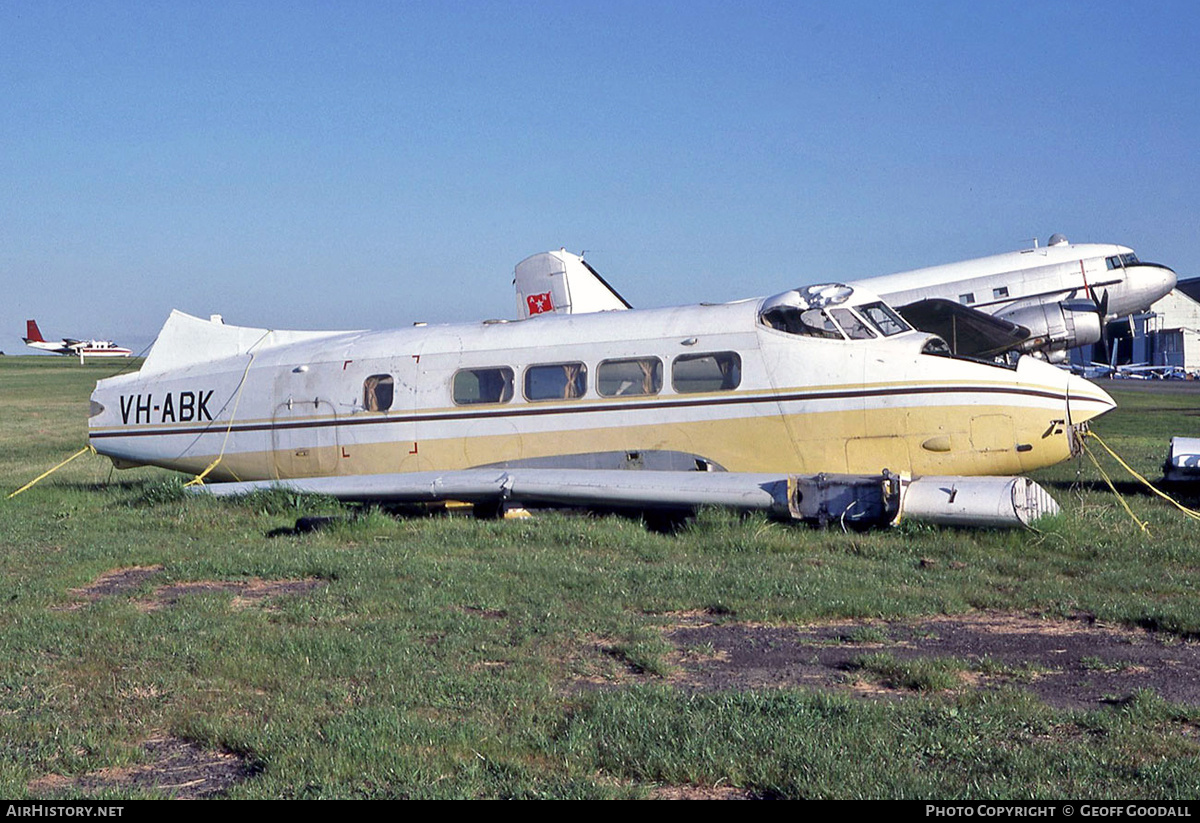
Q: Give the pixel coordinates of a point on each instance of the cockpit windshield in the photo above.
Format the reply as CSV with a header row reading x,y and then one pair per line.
x,y
1120,261
884,319
852,325
807,322
828,311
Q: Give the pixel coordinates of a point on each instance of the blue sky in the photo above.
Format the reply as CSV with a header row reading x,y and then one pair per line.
x,y
365,165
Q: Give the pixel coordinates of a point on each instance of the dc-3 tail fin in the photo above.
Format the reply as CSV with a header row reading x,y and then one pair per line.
x,y
558,281
32,333
185,340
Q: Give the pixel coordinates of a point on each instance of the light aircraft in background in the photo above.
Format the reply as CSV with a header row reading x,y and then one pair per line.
x,y
811,404
68,346
1042,301
1128,371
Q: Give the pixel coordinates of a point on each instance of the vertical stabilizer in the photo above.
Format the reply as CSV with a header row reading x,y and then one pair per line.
x,y
558,281
32,333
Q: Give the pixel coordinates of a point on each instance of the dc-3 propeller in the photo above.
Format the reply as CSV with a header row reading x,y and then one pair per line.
x,y
1097,305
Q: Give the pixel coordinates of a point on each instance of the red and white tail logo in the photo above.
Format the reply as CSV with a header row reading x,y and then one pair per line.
x,y
539,303
32,332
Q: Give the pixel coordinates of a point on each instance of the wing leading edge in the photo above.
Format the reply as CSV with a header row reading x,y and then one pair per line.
x,y
853,500
861,500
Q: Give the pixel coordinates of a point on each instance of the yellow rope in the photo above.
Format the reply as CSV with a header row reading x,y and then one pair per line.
x,y
1194,515
198,480
36,480
1113,488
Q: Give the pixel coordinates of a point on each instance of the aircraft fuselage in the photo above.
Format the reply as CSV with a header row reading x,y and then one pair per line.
x,y
697,387
1002,283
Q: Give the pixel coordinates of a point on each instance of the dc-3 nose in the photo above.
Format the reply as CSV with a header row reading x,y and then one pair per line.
x,y
1146,283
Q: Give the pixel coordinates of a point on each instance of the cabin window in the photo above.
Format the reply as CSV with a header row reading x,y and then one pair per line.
x,y
1000,292
559,381
719,371
967,299
624,378
884,318
808,322
490,385
854,328
378,391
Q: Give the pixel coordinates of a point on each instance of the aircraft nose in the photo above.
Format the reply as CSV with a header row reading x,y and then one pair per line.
x,y
1151,282
1086,400
1169,278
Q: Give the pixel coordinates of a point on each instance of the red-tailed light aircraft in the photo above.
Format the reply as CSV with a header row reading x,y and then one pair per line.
x,y
68,346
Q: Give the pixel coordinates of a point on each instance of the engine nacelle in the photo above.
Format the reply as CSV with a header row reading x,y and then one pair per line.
x,y
1055,328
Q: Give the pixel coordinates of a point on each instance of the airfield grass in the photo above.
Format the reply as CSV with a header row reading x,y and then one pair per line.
x,y
449,657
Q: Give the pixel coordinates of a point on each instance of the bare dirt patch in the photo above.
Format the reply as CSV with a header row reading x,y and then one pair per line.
x,y
1074,663
119,582
487,614
602,665
177,768
700,793
1071,663
245,592
112,584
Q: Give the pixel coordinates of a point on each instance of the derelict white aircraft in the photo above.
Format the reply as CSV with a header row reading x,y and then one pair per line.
x,y
79,348
1043,301
811,404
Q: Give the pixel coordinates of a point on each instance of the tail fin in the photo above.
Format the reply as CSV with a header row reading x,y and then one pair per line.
x,y
558,281
32,333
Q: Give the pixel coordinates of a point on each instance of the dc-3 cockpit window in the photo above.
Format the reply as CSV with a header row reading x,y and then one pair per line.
x,y
560,381
490,385
624,378
719,371
1120,261
378,390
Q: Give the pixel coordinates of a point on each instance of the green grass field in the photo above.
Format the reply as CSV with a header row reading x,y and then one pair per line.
x,y
449,657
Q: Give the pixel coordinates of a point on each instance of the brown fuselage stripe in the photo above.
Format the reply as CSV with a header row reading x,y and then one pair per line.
x,y
527,411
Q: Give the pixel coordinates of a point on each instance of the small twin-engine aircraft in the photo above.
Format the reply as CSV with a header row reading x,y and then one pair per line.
x,y
1042,301
816,404
80,348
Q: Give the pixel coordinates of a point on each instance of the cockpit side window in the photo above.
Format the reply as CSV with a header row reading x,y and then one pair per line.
x,y
884,318
808,322
1120,261
854,328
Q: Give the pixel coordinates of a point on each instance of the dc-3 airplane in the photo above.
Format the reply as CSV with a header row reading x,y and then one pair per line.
x,y
79,348
1042,301
818,404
